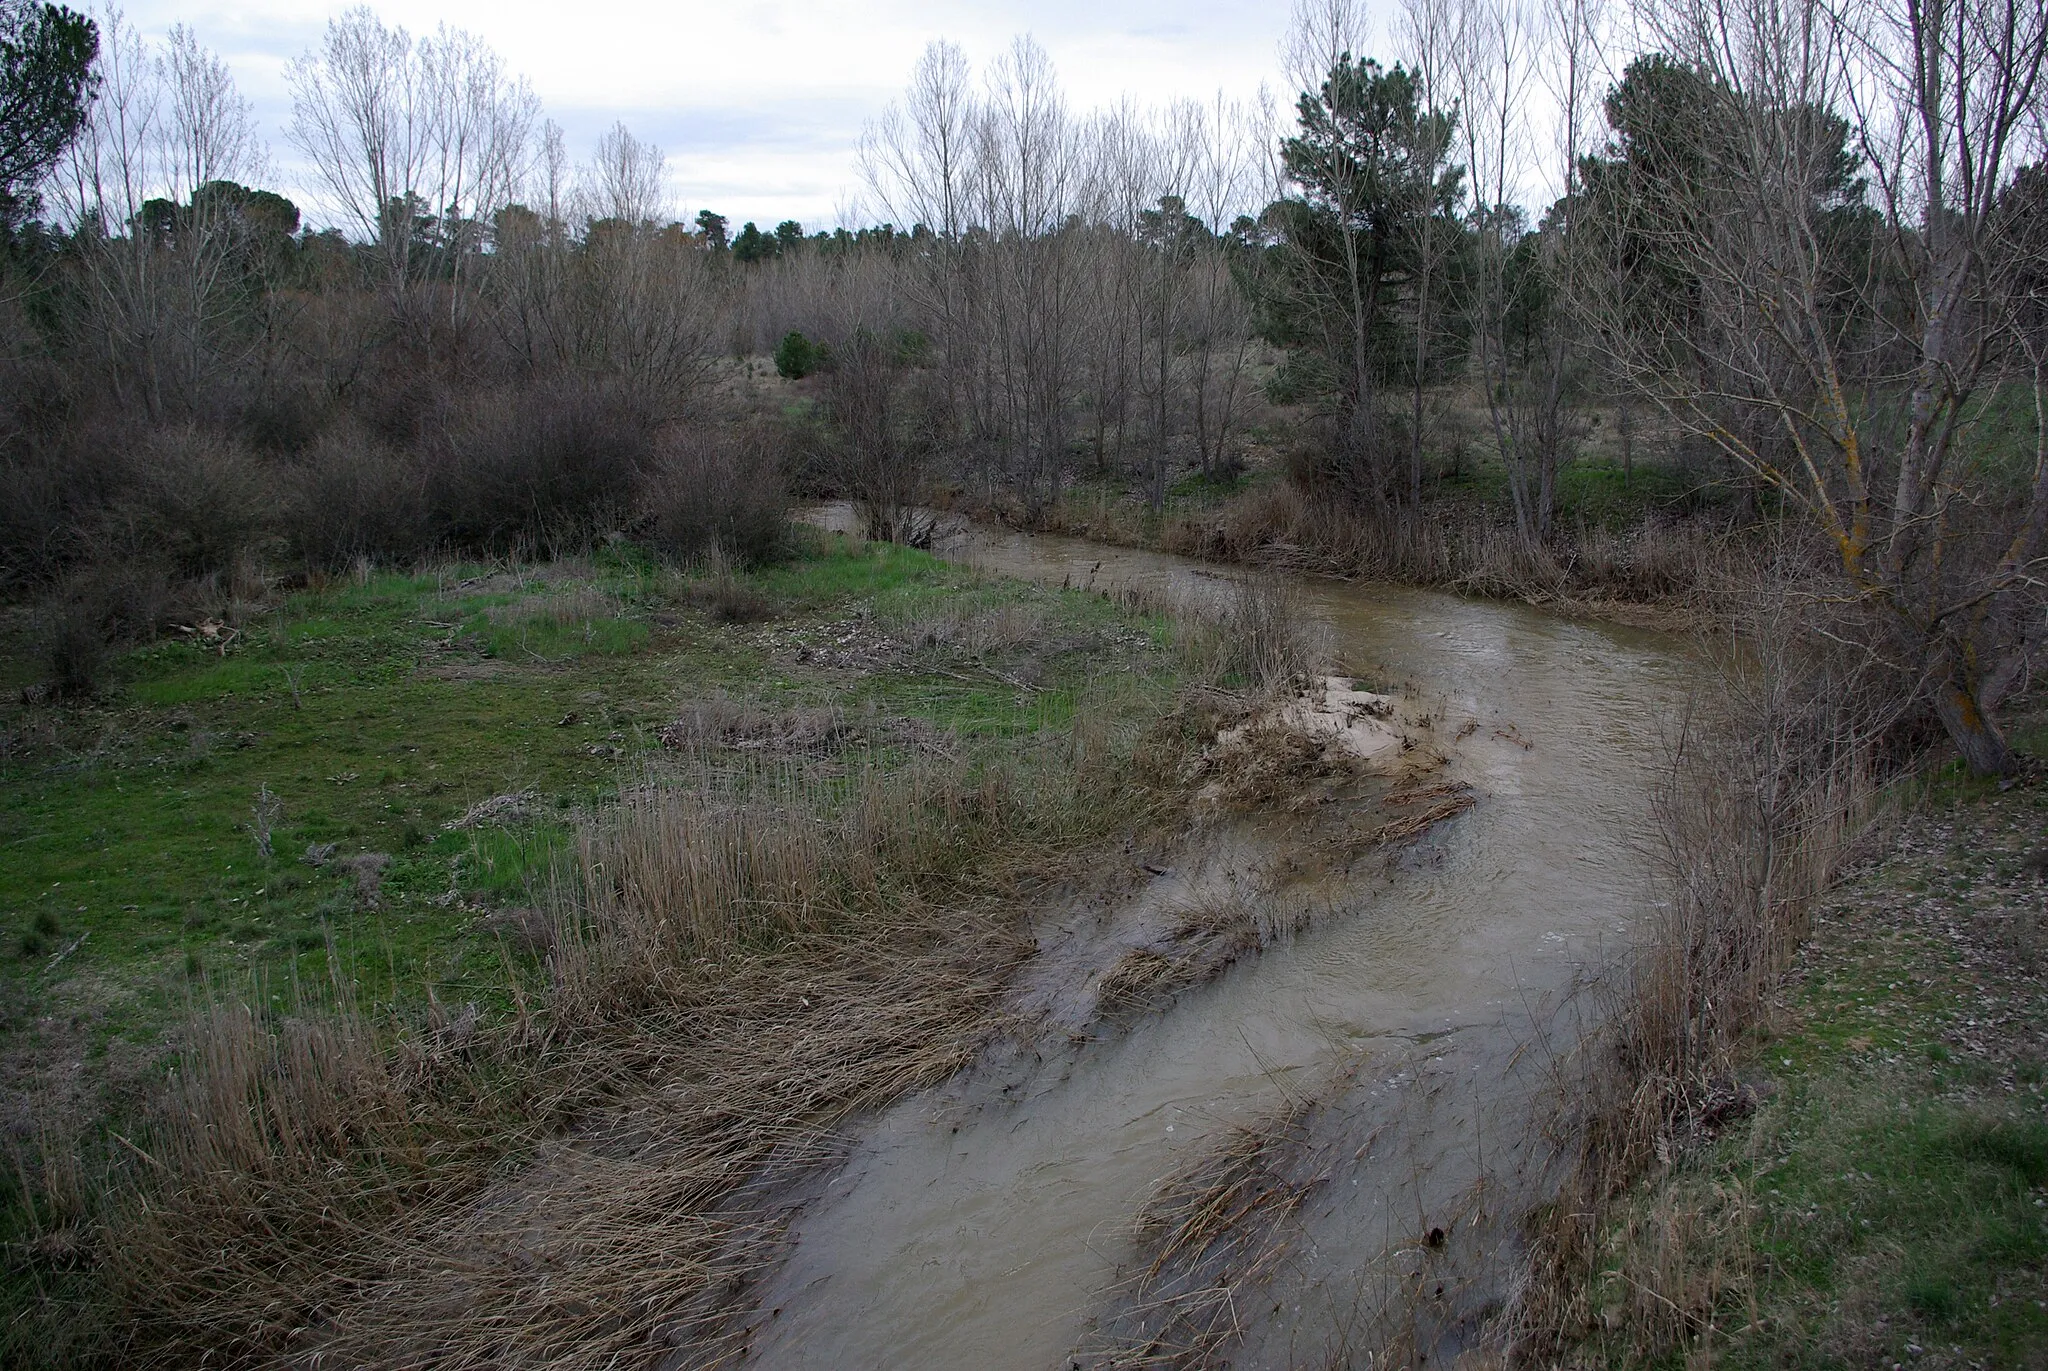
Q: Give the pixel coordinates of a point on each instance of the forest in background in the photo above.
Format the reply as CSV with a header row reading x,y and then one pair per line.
x,y
1796,258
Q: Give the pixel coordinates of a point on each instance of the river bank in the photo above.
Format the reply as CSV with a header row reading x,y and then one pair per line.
x,y
1006,1218
518,914
1284,1031
1881,1201
1661,553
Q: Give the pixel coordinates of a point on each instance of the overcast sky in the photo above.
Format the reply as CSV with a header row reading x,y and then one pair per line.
x,y
760,105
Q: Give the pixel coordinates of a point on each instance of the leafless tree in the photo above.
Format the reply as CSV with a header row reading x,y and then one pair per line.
x,y
1065,267
1860,331
414,143
628,181
158,237
1430,32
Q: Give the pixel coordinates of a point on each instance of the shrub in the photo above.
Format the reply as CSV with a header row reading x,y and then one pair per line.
x,y
554,464
725,597
202,501
284,420
797,356
104,603
715,489
55,490
353,497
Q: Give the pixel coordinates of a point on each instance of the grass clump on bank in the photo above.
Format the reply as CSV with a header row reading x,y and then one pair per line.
x,y
683,897
1870,1185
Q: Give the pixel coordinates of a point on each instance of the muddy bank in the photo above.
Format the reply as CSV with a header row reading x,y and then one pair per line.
x,y
1392,1028
1662,573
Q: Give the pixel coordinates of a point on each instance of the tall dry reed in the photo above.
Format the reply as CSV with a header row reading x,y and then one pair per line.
x,y
571,1171
1279,526
1774,780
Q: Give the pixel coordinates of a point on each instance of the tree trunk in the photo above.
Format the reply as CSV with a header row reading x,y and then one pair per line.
x,y
1984,749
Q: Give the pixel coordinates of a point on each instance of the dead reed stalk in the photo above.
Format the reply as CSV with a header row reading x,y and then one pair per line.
x,y
1210,1233
574,1173
1773,781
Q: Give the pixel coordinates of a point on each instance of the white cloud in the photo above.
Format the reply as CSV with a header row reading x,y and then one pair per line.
x,y
760,105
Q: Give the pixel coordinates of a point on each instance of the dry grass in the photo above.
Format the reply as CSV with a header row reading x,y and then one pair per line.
x,y
1428,806
979,632
1279,526
736,959
1772,786
745,726
579,603
725,596
1255,632
1204,939
1208,1235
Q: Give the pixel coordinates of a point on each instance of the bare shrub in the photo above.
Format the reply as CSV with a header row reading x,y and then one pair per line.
x,y
203,501
266,814
551,464
1772,781
367,871
98,608
75,646
715,487
352,496
1260,633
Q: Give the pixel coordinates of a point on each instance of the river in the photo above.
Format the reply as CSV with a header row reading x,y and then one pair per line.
x,y
986,1223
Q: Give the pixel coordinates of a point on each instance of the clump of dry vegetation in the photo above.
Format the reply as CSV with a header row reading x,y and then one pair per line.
x,y
1772,787
1210,1233
1285,525
735,958
1201,942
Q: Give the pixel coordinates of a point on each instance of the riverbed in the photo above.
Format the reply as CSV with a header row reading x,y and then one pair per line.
x,y
1410,1029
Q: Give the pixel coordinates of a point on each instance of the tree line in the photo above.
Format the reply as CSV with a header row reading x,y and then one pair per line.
x,y
1804,239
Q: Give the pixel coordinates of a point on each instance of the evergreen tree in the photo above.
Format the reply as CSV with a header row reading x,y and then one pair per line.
x,y
46,83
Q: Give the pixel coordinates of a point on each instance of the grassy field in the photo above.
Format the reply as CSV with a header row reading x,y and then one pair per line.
x,y
1887,1204
386,764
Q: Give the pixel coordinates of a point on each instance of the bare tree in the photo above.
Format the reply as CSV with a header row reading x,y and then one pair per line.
x,y
1430,34
1520,355
1065,267
415,143
1854,322
628,181
1230,182
163,226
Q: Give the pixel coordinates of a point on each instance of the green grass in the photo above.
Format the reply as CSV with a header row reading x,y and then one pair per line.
x,y
373,717
1890,1203
378,713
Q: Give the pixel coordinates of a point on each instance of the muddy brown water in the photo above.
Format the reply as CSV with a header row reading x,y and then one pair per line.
x,y
989,1223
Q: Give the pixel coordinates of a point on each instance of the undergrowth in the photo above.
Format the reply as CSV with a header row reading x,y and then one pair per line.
x,y
1813,1133
493,1090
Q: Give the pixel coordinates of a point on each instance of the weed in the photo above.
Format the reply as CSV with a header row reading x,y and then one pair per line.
x,y
2020,1147
1933,1297
267,813
726,597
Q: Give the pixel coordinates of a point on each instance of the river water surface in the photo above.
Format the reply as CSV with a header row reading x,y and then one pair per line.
x,y
984,1224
